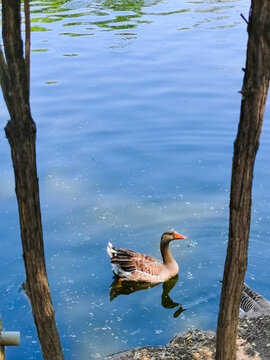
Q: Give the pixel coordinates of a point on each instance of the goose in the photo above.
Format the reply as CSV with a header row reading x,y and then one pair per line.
x,y
252,303
133,266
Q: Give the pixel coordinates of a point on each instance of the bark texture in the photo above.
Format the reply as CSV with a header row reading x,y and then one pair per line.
x,y
21,134
2,348
254,94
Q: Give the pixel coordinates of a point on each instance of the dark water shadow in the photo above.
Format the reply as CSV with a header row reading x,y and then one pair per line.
x,y
123,287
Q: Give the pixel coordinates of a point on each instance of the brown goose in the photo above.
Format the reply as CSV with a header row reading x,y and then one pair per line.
x,y
133,266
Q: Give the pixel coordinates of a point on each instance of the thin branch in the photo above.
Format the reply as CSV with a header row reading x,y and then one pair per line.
x,y
4,77
3,70
243,17
27,40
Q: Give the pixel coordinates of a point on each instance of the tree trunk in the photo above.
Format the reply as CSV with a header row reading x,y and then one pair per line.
x,y
2,348
254,94
21,134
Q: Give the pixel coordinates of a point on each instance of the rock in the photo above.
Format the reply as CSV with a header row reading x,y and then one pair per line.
x,y
253,343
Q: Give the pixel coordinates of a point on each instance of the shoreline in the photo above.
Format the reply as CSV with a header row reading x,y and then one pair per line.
x,y
253,343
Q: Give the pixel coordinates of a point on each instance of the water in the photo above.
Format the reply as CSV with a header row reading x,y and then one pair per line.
x,y
136,105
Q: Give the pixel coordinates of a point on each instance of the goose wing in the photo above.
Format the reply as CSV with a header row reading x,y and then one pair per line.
x,y
129,261
252,301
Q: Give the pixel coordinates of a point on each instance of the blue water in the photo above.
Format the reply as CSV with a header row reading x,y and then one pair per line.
x,y
137,105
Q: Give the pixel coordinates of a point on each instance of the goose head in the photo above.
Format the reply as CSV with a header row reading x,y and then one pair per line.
x,y
170,235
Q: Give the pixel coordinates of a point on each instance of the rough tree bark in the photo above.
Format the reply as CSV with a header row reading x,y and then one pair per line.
x,y
2,348
21,134
254,94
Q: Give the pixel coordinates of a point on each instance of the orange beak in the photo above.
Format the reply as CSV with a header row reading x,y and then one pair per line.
x,y
179,236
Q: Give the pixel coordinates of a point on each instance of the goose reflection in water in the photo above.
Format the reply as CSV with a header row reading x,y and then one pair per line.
x,y
124,287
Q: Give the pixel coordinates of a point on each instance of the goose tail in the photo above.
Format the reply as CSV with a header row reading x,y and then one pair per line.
x,y
111,250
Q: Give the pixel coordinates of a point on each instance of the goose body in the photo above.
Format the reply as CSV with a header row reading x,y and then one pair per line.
x,y
134,266
252,303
